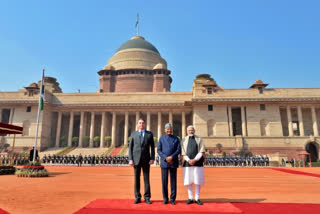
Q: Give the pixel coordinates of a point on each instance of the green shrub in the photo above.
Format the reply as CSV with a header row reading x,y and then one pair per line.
x,y
63,141
96,141
75,141
107,140
315,164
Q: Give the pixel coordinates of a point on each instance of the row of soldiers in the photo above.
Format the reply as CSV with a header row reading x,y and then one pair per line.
x,y
90,160
18,160
238,161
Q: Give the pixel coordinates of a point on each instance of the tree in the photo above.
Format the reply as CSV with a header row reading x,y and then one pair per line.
x,y
155,139
107,140
85,141
96,141
63,142
75,141
219,147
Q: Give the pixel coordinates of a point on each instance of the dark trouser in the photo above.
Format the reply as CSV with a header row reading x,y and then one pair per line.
x,y
137,172
173,181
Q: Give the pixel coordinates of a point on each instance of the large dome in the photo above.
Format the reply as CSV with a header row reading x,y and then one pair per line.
x,y
138,42
136,53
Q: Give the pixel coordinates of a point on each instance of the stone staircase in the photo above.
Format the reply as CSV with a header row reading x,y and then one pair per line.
x,y
116,151
51,151
87,151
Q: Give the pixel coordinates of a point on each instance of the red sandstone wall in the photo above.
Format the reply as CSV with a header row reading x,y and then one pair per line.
x,y
134,83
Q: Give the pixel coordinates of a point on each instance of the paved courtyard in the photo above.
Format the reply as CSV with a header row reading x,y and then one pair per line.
x,y
68,189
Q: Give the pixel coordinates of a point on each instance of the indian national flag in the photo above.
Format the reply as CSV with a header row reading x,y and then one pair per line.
x,y
42,91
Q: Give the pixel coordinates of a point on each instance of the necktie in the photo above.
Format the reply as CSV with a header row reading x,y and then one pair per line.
x,y
141,137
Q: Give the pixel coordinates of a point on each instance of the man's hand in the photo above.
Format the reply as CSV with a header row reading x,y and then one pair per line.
x,y
192,162
131,163
169,159
151,162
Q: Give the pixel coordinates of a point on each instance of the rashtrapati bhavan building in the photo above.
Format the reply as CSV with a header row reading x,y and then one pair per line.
x,y
136,83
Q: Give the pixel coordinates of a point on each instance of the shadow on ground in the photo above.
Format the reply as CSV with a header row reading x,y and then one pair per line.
x,y
54,174
240,200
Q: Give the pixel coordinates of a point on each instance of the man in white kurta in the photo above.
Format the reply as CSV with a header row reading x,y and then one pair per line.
x,y
192,152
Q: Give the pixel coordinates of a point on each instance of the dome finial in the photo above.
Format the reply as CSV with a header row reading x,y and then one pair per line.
x,y
137,24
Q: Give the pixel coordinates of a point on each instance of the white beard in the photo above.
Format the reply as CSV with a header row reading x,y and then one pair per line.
x,y
190,135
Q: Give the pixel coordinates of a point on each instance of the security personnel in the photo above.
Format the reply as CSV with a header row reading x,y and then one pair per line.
x,y
267,160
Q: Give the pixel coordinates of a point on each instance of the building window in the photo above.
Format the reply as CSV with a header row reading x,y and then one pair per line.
x,y
260,89
210,108
262,107
209,90
295,127
28,108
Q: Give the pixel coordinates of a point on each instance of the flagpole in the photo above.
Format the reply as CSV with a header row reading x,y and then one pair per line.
x,y
137,24
38,117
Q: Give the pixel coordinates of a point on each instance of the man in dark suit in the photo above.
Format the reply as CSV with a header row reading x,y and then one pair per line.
x,y
31,154
169,149
141,156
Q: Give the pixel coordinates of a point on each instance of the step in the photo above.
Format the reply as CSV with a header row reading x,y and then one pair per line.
x,y
116,151
87,151
50,151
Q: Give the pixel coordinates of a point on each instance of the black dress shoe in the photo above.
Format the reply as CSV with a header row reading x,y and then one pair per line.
x,y
148,201
173,202
199,202
137,201
190,201
165,201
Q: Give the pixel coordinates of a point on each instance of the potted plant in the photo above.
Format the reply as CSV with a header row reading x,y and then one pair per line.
x,y
85,141
96,141
63,142
75,141
107,140
219,147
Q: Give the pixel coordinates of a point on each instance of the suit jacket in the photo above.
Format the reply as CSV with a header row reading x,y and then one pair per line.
x,y
184,146
141,153
169,146
31,155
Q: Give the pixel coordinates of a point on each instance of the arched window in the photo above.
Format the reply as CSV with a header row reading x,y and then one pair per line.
x,y
211,124
263,127
26,127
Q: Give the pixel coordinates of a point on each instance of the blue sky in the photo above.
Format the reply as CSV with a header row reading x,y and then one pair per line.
x,y
237,42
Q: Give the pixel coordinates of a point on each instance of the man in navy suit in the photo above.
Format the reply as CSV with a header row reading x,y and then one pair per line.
x,y
141,156
169,148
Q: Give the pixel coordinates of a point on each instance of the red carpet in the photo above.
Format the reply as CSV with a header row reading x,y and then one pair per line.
x,y
296,172
3,212
125,206
116,151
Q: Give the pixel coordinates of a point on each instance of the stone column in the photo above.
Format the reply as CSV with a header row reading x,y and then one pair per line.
x,y
58,129
290,127
113,130
148,121
11,115
137,118
183,120
103,129
126,124
70,128
314,121
0,114
230,120
301,128
81,128
243,122
159,125
92,129
170,118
